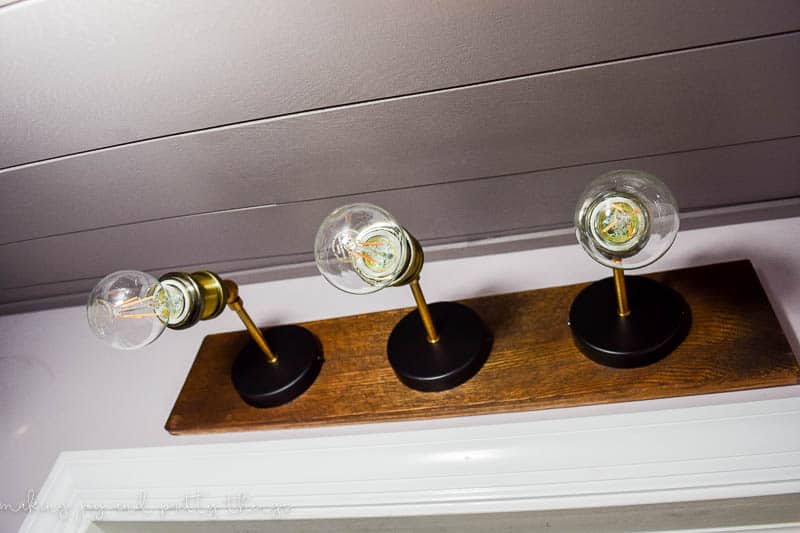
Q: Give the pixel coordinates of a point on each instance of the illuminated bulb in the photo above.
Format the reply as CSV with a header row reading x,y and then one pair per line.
x,y
130,309
360,248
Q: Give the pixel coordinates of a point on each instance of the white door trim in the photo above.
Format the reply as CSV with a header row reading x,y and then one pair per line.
x,y
685,454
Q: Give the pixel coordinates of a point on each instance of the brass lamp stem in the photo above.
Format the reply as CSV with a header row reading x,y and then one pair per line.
x,y
235,303
424,312
622,295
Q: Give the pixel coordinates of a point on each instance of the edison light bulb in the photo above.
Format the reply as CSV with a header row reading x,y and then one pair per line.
x,y
626,219
360,248
130,309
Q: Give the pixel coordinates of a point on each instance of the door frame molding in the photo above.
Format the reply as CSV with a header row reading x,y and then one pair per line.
x,y
704,452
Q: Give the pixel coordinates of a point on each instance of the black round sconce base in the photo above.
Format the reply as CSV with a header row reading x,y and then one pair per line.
x,y
264,384
659,321
464,344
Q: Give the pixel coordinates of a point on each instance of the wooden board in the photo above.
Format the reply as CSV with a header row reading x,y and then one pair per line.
x,y
436,160
490,160
156,139
445,212
603,113
80,74
735,343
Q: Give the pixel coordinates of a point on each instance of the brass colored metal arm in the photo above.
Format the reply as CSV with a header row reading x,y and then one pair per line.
x,y
235,303
622,294
411,278
424,312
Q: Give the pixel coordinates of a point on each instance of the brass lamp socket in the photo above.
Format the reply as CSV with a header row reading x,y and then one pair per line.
x,y
197,296
415,261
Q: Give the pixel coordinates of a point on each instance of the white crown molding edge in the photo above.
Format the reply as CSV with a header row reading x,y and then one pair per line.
x,y
694,453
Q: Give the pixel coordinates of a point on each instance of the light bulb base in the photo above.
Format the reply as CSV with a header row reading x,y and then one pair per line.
x,y
658,322
202,296
185,294
416,259
213,293
462,349
264,384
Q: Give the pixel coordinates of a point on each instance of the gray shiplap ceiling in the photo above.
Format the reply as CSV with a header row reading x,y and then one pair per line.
x,y
156,127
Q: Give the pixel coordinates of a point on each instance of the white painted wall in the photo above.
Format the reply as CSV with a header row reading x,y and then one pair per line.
x,y
61,389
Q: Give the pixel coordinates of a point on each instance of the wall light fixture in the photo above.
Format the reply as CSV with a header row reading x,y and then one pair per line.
x,y
627,219
130,309
360,248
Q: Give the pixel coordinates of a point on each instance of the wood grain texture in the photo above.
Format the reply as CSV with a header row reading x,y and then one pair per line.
x,y
735,343
730,94
83,74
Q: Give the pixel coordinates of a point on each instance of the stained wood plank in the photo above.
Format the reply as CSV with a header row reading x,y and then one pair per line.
x,y
82,74
711,97
284,234
735,343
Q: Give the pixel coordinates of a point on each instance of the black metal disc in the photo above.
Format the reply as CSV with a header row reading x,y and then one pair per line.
x,y
659,321
464,344
264,384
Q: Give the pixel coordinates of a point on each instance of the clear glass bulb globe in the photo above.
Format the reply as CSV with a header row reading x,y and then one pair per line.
x,y
626,219
360,248
129,309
